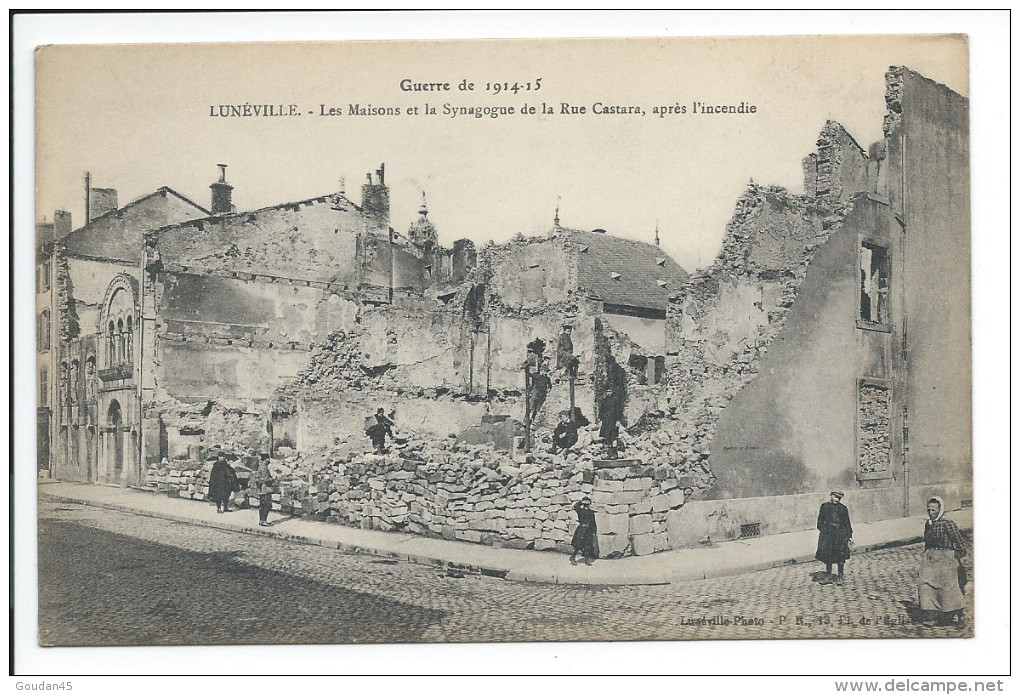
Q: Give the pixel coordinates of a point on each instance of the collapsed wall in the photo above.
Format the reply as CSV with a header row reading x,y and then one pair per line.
x,y
443,368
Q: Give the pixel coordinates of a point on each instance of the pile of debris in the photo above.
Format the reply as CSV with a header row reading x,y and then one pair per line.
x,y
473,492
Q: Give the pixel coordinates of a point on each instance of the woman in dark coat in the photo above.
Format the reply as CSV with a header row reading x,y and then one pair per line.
x,y
222,484
585,540
834,536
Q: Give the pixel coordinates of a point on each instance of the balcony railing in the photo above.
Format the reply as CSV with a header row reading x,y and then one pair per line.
x,y
120,371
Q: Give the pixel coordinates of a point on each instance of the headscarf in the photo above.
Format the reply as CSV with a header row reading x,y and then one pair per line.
x,y
942,507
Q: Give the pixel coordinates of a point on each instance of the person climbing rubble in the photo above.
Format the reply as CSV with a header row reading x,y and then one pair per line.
x,y
541,384
565,349
565,434
378,430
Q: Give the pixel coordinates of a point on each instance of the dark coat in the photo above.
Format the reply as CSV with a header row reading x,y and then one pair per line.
x,y
565,435
222,481
586,539
834,533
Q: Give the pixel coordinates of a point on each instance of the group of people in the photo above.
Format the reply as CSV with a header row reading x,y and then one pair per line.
x,y
941,580
942,576
223,483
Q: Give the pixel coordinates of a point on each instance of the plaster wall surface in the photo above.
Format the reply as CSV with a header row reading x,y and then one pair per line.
x,y
929,153
118,235
535,274
791,430
307,240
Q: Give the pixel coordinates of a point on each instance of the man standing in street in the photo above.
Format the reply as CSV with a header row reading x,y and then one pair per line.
x,y
834,534
262,485
222,483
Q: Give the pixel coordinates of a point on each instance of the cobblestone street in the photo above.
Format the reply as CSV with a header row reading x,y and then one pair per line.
x,y
112,578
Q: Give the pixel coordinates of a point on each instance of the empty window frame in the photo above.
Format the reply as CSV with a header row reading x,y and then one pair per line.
x,y
874,283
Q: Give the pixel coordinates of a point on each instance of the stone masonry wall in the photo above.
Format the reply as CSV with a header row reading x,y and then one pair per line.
x,y
465,492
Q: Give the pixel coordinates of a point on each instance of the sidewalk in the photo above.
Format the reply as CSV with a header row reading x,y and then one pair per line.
x,y
717,560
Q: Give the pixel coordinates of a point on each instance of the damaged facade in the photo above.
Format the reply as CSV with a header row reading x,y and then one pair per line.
x,y
829,343
805,357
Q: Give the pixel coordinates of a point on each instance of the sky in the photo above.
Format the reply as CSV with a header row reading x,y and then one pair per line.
x,y
138,117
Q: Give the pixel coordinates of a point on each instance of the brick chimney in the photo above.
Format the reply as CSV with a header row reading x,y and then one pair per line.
x,y
61,223
375,200
101,201
221,192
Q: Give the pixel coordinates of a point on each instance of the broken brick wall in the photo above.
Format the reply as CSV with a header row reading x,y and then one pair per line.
x,y
219,349
307,240
840,167
723,323
528,273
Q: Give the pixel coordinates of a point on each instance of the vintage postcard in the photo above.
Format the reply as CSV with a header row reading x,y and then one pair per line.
x,y
504,341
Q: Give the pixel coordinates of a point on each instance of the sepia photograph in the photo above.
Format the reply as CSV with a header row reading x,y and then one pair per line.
x,y
504,341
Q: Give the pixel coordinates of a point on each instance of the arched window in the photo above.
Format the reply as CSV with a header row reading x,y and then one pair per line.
x,y
111,345
72,382
63,394
43,339
120,341
129,352
90,377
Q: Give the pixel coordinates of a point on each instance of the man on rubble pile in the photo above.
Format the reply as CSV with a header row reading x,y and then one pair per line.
x,y
565,434
378,430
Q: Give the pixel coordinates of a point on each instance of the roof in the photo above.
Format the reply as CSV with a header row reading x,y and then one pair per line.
x,y
623,271
334,199
118,234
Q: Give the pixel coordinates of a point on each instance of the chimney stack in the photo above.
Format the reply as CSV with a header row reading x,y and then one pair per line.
x,y
61,224
88,203
221,193
375,201
101,201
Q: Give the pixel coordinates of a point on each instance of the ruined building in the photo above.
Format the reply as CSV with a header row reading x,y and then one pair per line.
x,y
125,301
827,345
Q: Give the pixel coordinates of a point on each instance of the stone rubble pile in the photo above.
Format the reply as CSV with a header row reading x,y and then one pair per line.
x,y
474,493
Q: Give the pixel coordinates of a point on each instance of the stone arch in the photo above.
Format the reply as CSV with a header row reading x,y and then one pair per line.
x,y
120,306
115,442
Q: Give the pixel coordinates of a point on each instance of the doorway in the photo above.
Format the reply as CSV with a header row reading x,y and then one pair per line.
x,y
114,422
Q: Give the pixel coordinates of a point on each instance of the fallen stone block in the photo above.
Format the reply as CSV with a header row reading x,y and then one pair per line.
x,y
642,484
611,523
641,524
606,485
613,544
661,503
643,507
643,544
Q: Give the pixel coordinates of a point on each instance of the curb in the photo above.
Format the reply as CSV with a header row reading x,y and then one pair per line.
x,y
452,568
459,570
